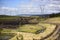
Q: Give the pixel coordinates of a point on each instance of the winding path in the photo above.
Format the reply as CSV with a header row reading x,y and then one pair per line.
x,y
55,34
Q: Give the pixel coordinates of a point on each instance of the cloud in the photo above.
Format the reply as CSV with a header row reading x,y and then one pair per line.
x,y
8,8
29,8
55,0
35,0
8,11
33,7
52,8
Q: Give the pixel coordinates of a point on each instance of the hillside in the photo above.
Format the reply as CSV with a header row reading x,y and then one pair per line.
x,y
34,27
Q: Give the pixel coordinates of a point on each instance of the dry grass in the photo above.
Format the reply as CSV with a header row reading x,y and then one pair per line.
x,y
53,20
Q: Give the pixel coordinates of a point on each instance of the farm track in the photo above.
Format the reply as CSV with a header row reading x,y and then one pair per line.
x,y
55,34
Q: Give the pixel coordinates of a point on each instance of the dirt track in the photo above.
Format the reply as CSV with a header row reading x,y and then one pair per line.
x,y
55,35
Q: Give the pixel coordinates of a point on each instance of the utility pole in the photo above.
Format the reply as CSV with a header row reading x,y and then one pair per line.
x,y
42,8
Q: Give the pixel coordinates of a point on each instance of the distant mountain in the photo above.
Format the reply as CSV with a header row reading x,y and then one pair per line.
x,y
24,15
33,14
41,15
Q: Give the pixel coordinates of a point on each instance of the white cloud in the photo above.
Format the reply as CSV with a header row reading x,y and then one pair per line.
x,y
35,0
52,8
29,8
32,7
8,8
8,11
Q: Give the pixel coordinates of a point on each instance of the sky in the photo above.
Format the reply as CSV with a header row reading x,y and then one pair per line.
x,y
17,7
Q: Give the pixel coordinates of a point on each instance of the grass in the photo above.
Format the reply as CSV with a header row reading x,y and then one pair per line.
x,y
6,36
49,29
17,37
30,28
26,28
53,20
8,18
9,30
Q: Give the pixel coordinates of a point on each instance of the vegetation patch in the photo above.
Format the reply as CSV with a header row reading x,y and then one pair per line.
x,y
31,28
53,20
6,36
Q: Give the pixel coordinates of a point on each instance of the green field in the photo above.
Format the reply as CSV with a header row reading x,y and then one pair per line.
x,y
8,18
31,28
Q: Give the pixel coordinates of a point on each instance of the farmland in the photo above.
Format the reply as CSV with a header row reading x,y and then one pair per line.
x,y
29,28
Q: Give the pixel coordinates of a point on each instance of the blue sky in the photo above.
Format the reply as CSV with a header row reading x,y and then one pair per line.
x,y
16,7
